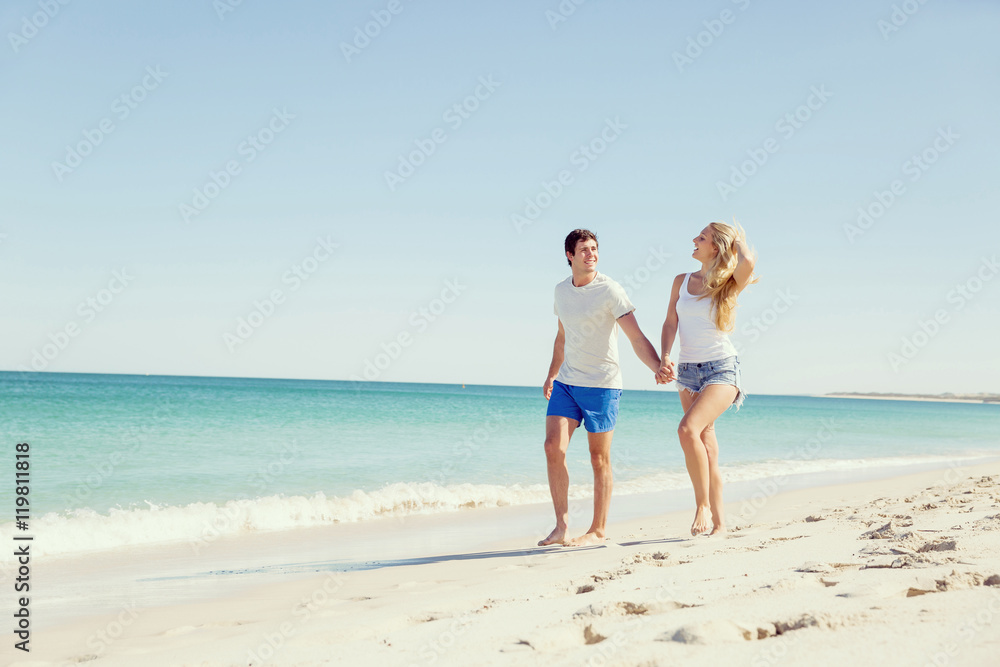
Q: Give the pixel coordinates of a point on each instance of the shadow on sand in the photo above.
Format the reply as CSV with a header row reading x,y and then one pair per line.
x,y
358,566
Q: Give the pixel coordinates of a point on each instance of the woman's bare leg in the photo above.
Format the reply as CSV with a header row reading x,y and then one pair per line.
x,y
714,480
700,411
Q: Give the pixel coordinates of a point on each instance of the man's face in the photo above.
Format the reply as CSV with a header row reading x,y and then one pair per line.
x,y
585,257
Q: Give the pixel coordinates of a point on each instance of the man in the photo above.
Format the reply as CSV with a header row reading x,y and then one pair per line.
x,y
584,381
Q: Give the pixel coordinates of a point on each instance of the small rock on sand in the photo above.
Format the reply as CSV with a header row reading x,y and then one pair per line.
x,y
992,580
765,630
813,566
960,580
804,621
922,586
710,632
940,545
626,608
591,636
885,532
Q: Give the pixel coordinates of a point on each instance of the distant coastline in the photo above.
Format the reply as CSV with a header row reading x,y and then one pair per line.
x,y
946,397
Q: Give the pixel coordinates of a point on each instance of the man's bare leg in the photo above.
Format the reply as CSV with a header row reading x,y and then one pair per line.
x,y
600,459
558,431
700,410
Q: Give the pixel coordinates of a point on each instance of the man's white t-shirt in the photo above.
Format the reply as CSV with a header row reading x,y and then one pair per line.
x,y
589,316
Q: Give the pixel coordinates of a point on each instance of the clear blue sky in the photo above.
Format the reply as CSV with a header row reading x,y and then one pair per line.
x,y
831,308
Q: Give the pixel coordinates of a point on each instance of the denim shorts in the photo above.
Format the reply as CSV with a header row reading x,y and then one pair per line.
x,y
695,376
595,407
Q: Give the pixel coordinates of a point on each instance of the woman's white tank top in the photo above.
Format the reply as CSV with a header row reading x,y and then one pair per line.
x,y
701,340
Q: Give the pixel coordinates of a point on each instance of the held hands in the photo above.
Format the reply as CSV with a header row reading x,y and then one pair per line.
x,y
667,372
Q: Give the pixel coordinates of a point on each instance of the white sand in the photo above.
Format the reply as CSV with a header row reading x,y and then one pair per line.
x,y
780,589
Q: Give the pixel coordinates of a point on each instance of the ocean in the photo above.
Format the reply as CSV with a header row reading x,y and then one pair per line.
x,y
135,460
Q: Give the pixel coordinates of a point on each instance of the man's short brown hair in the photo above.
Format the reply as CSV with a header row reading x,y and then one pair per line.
x,y
575,237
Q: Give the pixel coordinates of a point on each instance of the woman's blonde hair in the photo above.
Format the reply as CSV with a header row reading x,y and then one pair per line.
x,y
719,284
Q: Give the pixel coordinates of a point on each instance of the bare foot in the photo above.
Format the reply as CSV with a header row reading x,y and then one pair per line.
x,y
557,536
718,530
701,518
587,539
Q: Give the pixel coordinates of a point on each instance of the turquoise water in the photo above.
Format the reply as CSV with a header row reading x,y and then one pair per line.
x,y
154,456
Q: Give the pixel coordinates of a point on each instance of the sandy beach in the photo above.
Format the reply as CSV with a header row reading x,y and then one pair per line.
x,y
904,571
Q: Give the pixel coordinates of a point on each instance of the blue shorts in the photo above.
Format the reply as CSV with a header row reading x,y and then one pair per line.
x,y
695,376
595,407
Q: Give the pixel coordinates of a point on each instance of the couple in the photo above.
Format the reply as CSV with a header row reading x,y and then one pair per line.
x,y
584,381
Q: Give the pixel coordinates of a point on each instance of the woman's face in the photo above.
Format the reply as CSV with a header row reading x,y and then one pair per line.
x,y
704,247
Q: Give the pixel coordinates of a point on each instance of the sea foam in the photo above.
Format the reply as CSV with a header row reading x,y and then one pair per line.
x,y
199,523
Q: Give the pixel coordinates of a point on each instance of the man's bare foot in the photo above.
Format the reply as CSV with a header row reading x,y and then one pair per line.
x,y
701,520
587,539
718,530
557,536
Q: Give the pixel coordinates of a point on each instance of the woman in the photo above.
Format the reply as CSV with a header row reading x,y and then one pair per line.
x,y
702,308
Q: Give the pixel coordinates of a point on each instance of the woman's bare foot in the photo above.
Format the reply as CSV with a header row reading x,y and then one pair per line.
x,y
557,536
718,530
587,539
701,520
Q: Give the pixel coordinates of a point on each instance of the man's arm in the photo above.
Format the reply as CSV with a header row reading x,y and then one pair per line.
x,y
558,352
643,348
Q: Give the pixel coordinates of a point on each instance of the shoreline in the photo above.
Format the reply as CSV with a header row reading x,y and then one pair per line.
x,y
402,602
60,536
928,399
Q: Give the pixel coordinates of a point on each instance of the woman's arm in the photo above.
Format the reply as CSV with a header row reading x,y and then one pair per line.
x,y
745,263
667,372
